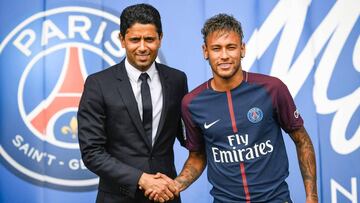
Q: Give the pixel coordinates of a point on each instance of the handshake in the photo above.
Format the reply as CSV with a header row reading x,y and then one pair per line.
x,y
159,187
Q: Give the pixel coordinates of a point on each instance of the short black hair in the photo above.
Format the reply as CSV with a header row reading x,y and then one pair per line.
x,y
140,13
221,22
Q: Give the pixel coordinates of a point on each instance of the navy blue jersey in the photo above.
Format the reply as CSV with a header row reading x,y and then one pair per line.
x,y
241,133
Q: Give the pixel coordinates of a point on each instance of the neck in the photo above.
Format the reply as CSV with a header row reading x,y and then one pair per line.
x,y
227,84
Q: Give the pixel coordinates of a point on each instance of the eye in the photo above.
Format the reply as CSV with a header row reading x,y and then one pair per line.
x,y
216,49
149,39
134,40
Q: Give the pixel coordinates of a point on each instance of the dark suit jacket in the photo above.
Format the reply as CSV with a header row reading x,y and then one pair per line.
x,y
111,136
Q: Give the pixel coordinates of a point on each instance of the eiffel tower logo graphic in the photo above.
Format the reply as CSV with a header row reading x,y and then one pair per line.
x,y
65,95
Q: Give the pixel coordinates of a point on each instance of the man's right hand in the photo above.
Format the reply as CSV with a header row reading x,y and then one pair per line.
x,y
158,188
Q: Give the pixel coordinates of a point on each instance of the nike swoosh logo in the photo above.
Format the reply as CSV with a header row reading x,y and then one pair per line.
x,y
211,124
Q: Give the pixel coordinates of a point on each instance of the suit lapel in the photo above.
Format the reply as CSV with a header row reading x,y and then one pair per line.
x,y
165,91
127,95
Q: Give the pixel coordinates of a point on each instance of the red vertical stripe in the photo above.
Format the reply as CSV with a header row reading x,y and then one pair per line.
x,y
246,188
231,110
242,166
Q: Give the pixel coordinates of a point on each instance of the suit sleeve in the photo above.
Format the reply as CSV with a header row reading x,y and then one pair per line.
x,y
181,130
92,139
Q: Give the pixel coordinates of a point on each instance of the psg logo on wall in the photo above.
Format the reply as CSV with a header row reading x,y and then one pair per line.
x,y
45,61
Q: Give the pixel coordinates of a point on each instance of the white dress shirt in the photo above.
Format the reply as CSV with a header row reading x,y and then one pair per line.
x,y
155,91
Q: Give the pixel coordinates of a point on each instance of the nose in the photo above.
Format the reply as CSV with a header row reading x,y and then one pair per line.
x,y
142,46
224,54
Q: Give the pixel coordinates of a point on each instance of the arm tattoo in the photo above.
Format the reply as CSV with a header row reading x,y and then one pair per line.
x,y
193,167
307,163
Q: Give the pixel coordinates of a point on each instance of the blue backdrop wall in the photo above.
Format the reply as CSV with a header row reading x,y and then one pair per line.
x,y
48,48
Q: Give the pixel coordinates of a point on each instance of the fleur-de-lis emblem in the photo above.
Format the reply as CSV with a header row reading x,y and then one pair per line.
x,y
72,128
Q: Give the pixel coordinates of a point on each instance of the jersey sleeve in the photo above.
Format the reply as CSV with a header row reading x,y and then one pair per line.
x,y
194,140
285,109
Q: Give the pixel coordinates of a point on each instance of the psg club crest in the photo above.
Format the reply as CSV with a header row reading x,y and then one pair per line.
x,y
45,61
255,115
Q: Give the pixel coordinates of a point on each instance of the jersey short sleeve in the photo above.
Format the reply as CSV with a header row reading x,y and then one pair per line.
x,y
285,109
194,138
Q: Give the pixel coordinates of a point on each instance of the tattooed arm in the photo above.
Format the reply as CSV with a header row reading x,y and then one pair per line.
x,y
193,167
307,163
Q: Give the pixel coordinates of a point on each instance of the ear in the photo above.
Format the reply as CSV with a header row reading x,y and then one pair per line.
x,y
160,38
122,40
205,52
243,50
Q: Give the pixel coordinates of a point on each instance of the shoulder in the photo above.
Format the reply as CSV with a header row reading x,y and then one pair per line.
x,y
170,71
194,93
108,76
108,73
270,82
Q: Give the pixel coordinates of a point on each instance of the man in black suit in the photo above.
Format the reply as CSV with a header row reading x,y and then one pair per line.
x,y
129,115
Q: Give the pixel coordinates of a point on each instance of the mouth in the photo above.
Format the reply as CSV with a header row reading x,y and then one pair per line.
x,y
143,57
224,65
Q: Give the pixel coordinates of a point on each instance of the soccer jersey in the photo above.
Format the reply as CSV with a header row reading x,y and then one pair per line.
x,y
240,131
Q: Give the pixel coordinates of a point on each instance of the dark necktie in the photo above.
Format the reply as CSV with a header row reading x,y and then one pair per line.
x,y
147,106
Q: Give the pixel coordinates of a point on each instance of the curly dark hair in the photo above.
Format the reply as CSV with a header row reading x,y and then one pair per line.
x,y
140,13
221,22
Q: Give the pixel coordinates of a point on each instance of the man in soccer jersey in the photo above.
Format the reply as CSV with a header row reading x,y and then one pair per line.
x,y
234,123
